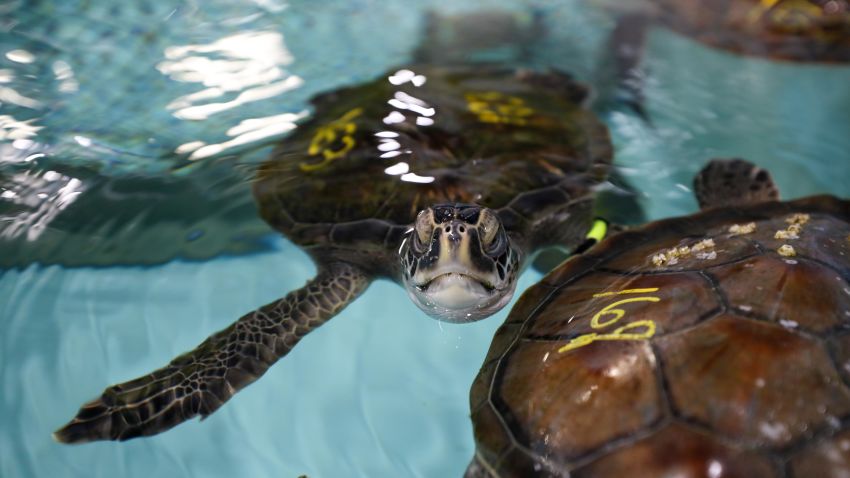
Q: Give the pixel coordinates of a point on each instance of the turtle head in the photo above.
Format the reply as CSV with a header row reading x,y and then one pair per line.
x,y
458,262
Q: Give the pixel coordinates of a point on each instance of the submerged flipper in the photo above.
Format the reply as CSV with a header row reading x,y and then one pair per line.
x,y
200,381
623,53
727,182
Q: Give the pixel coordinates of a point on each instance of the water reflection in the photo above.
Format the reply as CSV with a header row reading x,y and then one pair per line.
x,y
246,64
74,216
247,132
7,76
11,130
102,116
37,197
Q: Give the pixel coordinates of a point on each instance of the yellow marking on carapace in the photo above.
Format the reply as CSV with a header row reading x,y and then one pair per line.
x,y
617,334
496,107
342,130
618,313
794,15
620,332
626,291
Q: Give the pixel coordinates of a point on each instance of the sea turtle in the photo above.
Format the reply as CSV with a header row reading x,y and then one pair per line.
x,y
792,30
443,178
708,345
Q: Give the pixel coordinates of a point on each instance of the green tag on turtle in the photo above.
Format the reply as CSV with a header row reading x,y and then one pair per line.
x,y
598,230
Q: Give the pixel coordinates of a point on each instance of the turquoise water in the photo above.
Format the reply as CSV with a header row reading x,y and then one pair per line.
x,y
381,390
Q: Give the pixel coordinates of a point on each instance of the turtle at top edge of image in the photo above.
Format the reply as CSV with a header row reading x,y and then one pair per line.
x,y
793,30
442,178
716,344
800,31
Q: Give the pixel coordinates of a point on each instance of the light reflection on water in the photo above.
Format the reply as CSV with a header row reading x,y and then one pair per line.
x,y
111,99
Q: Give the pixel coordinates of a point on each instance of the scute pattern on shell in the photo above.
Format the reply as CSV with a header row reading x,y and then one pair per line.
x,y
746,370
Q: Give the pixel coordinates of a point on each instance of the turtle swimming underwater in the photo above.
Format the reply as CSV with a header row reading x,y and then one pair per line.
x,y
708,345
442,178
805,31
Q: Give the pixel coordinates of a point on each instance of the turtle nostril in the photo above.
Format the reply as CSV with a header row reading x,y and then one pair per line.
x,y
448,229
461,229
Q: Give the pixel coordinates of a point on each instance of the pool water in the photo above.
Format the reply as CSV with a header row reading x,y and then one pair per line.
x,y
128,235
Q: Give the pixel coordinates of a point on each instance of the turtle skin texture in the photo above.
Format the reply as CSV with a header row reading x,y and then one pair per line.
x,y
795,30
716,344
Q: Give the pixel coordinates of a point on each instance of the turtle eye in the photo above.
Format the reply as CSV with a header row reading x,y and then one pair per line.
x,y
490,227
423,228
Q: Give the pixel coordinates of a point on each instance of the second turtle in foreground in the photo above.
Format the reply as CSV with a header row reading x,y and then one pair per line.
x,y
709,345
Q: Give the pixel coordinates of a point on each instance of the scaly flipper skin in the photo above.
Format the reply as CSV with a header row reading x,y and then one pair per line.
x,y
727,182
200,381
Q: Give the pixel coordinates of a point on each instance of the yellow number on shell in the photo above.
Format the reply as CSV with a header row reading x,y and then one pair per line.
x,y
340,130
617,313
618,334
624,332
495,107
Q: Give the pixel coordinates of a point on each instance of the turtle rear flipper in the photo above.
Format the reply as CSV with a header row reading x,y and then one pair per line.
x,y
619,76
727,182
200,381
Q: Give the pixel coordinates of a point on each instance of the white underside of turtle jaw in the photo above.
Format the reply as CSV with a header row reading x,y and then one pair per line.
x,y
456,297
456,291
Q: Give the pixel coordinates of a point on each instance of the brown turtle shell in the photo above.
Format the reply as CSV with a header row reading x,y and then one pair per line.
x,y
373,155
716,344
797,30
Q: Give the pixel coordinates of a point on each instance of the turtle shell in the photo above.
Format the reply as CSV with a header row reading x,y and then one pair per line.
x,y
797,30
374,155
711,345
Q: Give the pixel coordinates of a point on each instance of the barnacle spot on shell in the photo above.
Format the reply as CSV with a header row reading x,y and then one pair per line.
x,y
747,228
659,259
785,234
798,218
671,256
703,245
786,250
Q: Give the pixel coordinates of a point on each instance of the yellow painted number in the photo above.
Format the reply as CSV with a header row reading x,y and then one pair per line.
x,y
794,14
610,315
333,140
495,107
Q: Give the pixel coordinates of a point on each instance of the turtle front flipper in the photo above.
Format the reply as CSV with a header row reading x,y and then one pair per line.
x,y
200,381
